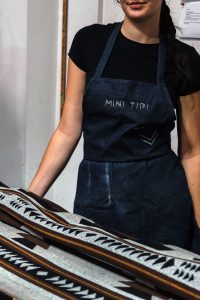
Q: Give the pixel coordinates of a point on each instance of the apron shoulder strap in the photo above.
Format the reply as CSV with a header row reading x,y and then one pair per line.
x,y
107,50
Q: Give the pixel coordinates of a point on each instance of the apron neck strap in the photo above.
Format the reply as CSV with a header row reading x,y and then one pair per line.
x,y
108,49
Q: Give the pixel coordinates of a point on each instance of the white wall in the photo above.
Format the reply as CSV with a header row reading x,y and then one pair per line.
x,y
30,49
30,56
43,97
13,66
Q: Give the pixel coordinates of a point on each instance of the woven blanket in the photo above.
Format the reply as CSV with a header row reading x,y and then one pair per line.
x,y
47,252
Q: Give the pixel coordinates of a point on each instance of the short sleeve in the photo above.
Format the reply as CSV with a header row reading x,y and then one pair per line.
x,y
192,81
76,50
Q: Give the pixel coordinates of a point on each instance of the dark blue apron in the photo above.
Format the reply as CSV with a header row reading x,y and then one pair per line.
x,y
130,180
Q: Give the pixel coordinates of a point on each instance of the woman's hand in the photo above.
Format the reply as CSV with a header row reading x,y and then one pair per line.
x,y
66,135
189,145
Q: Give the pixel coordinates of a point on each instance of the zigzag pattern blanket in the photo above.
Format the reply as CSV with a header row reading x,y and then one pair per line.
x,y
47,252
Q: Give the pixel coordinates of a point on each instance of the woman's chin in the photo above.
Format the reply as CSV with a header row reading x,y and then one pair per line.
x,y
137,14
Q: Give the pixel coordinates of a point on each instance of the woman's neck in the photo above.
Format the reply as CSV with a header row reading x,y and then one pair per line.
x,y
146,32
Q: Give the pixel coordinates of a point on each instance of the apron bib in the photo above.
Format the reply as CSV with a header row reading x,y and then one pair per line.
x,y
130,180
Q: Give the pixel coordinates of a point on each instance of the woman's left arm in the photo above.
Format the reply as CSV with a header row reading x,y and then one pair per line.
x,y
188,126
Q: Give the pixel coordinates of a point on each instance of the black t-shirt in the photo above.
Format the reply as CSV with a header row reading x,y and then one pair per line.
x,y
135,61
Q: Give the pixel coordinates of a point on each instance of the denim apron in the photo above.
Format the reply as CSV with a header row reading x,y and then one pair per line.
x,y
130,180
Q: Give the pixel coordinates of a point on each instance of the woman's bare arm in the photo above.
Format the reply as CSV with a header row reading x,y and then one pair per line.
x,y
66,136
189,145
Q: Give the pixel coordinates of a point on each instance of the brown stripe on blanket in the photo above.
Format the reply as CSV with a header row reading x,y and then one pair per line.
x,y
50,206
39,229
46,280
85,222
120,236
88,224
60,220
6,218
34,240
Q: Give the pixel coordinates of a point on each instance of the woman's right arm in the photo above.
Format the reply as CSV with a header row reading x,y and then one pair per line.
x,y
66,136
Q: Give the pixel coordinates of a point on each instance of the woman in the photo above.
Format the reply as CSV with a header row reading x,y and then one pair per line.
x,y
130,180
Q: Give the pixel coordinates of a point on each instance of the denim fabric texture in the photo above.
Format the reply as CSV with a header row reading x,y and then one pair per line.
x,y
130,179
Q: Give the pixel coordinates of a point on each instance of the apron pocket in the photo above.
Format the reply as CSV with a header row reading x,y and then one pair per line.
x,y
94,185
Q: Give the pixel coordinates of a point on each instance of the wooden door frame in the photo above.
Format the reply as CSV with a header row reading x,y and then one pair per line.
x,y
64,53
